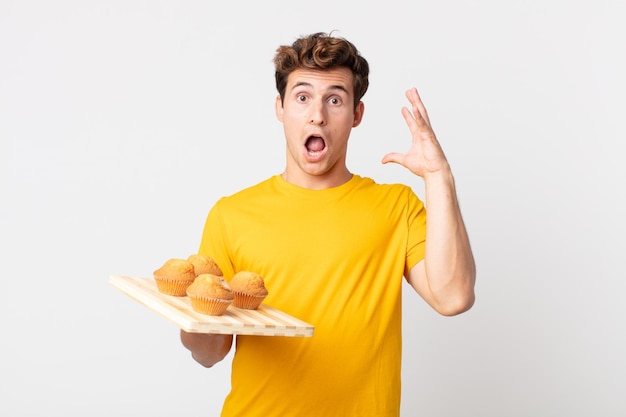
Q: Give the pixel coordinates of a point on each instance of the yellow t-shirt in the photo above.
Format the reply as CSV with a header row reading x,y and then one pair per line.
x,y
334,258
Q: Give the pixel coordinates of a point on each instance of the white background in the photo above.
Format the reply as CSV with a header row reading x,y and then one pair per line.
x,y
122,122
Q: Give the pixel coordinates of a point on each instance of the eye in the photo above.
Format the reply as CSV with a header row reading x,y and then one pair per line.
x,y
301,97
335,101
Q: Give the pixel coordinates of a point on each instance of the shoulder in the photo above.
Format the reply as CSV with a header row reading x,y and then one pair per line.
x,y
370,185
262,188
389,197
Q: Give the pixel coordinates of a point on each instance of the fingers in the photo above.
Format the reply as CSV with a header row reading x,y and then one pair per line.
x,y
410,121
419,110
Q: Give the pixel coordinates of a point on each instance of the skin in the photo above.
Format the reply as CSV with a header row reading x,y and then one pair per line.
x,y
445,278
207,349
319,104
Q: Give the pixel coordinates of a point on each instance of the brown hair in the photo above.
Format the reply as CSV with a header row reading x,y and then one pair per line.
x,y
321,51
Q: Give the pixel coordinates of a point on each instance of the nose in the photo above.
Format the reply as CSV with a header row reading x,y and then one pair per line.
x,y
317,116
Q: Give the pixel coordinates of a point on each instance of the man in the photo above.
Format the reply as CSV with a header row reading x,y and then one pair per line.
x,y
333,247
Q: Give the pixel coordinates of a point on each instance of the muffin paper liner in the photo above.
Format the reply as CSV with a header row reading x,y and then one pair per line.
x,y
172,287
209,306
247,301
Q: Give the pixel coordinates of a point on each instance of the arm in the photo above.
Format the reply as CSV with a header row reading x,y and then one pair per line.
x,y
445,277
207,349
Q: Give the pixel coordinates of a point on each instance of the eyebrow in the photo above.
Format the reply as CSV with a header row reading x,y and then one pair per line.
x,y
332,87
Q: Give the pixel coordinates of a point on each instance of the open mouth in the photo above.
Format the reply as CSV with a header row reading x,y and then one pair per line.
x,y
315,145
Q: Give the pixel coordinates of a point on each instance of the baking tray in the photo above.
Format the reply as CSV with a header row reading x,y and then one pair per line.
x,y
264,321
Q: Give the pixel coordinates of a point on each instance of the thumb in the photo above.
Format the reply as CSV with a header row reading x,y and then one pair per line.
x,y
394,157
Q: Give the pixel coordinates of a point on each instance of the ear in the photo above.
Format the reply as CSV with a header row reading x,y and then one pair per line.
x,y
358,114
278,108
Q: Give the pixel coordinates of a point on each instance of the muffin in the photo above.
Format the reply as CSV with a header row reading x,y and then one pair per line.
x,y
204,265
249,290
209,294
174,277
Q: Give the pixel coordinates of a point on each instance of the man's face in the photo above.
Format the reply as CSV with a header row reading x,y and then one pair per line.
x,y
317,115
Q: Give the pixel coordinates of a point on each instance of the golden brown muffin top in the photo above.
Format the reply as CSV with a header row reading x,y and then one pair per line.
x,y
205,265
177,269
248,282
210,286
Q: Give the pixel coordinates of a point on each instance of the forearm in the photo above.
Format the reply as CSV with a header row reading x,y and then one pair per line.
x,y
448,263
207,349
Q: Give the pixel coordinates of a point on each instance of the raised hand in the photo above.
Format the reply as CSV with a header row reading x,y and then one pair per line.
x,y
425,155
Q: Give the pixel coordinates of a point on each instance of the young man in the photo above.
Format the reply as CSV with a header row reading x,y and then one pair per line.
x,y
333,248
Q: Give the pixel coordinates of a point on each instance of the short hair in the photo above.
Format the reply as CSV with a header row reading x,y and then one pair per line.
x,y
321,51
